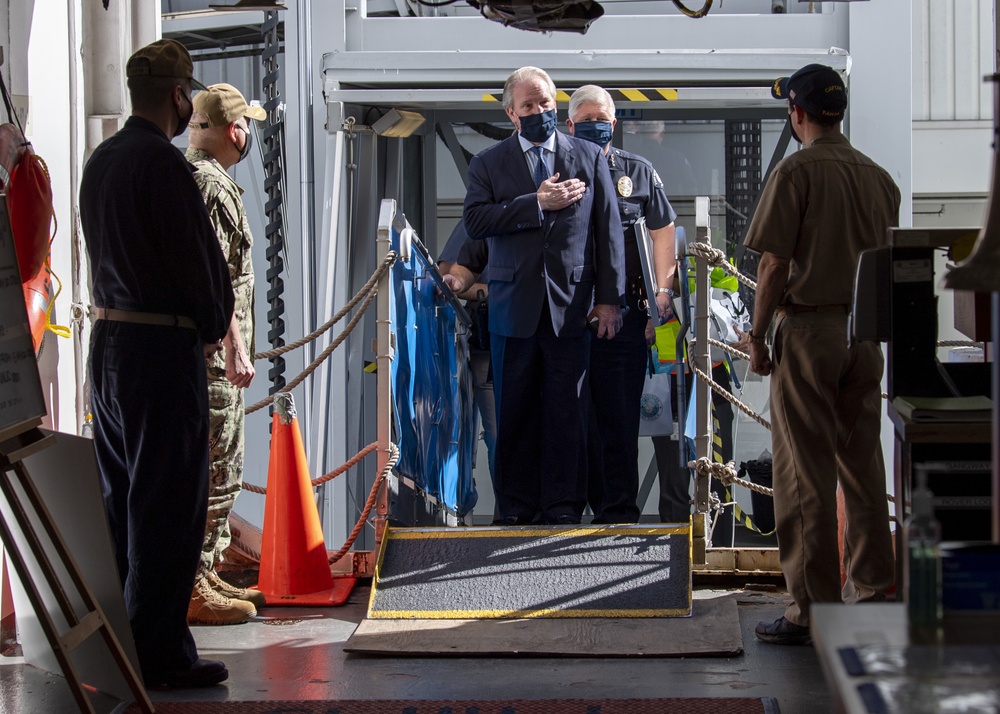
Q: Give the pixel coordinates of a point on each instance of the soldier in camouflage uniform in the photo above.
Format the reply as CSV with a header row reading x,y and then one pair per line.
x,y
219,138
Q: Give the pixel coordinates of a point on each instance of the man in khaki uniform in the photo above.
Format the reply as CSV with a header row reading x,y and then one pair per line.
x,y
820,208
219,139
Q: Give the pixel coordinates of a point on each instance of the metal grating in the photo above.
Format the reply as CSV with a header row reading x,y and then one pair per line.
x,y
743,167
743,183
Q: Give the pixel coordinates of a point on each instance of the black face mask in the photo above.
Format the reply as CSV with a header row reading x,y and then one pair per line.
x,y
186,119
791,128
247,143
537,128
598,132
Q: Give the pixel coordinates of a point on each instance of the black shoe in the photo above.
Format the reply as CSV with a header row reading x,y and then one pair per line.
x,y
566,520
783,632
203,673
511,521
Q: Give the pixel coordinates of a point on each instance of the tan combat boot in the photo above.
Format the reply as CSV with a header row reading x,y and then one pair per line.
x,y
210,608
231,591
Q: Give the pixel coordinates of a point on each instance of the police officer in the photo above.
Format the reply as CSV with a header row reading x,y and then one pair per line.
x,y
618,366
473,287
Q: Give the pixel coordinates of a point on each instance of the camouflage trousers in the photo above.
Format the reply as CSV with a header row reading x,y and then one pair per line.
x,y
225,468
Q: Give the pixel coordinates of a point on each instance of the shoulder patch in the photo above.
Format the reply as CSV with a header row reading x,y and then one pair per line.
x,y
657,182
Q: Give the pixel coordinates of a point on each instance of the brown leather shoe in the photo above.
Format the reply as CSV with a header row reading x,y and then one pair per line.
x,y
208,607
225,589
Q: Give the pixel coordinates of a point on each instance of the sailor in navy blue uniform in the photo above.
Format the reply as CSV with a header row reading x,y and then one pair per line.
x,y
618,366
163,300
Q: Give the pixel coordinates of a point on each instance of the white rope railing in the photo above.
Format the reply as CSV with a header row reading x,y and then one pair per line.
x,y
726,473
387,262
717,258
365,296
322,356
368,292
722,391
369,504
343,468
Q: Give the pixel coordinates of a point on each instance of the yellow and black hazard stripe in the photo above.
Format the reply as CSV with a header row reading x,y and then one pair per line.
x,y
643,95
738,513
619,95
743,518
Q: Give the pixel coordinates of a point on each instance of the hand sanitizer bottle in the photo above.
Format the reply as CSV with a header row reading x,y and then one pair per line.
x,y
922,570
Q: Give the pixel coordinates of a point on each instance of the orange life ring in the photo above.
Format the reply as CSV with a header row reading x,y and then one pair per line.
x,y
37,298
29,204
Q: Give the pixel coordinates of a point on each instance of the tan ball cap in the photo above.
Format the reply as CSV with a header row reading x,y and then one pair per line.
x,y
163,58
223,104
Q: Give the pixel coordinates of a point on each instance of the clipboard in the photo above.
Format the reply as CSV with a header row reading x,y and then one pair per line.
x,y
645,244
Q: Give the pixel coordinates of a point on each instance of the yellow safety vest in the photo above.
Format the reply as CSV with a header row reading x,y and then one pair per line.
x,y
666,334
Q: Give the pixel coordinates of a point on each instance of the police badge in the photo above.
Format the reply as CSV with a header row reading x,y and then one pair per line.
x,y
625,187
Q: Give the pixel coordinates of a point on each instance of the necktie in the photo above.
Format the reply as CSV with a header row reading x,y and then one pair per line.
x,y
540,172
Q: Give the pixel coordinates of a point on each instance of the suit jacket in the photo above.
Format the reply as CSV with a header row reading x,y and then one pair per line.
x,y
572,258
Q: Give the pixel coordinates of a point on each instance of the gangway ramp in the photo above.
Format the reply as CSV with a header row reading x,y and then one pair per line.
x,y
527,571
622,590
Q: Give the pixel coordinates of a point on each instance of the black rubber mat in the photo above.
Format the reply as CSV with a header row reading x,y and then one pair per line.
x,y
730,705
712,630
521,572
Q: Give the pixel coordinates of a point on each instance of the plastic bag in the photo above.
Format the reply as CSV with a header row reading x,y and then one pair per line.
x,y
655,415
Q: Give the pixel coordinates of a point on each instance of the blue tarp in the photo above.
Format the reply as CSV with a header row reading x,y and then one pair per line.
x,y
433,408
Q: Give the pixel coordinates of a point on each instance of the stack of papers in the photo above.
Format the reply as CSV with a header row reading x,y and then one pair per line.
x,y
964,409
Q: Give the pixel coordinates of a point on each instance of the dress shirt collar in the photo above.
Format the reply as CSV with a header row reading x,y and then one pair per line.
x,y
549,144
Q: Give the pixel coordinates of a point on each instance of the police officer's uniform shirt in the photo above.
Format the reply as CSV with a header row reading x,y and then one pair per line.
x,y
475,256
821,207
639,192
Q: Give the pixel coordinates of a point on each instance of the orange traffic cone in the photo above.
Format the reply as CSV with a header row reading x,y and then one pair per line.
x,y
294,569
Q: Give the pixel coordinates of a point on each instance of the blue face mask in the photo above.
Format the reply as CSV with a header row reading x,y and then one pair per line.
x,y
537,128
598,132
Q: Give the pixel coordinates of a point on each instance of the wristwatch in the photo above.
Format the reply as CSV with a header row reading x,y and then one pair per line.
x,y
753,339
668,291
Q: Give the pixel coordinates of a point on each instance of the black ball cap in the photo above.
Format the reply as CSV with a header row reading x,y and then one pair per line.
x,y
818,89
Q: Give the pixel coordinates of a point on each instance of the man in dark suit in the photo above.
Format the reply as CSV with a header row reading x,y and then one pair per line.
x,y
547,205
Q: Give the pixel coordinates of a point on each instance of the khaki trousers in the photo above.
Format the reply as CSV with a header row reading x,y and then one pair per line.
x,y
826,411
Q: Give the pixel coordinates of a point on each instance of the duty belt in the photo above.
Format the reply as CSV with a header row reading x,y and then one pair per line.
x,y
796,309
143,318
635,293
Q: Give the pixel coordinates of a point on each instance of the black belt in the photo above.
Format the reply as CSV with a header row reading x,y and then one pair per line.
x,y
143,318
636,289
